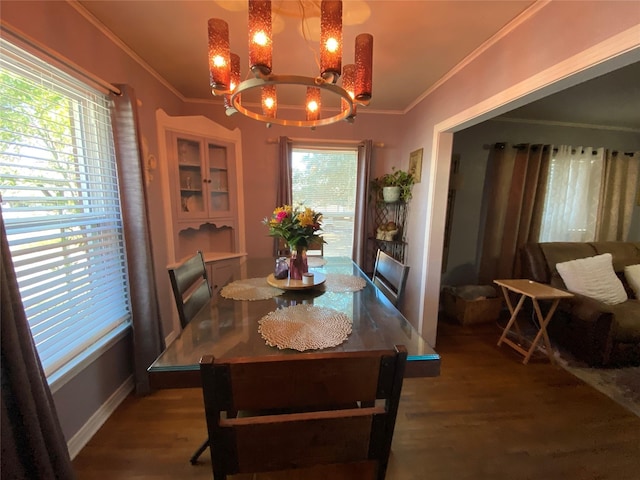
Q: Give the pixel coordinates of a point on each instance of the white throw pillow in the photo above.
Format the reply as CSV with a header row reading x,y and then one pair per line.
x,y
593,277
632,273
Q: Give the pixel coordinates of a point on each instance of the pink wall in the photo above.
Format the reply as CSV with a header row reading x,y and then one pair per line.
x,y
260,158
559,36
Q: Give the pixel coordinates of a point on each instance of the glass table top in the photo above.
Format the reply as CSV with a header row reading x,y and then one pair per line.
x,y
228,328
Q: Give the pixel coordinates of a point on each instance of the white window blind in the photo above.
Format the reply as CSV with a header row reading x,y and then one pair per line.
x,y
325,179
61,209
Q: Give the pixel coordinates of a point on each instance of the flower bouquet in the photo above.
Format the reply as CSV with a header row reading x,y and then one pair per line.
x,y
300,227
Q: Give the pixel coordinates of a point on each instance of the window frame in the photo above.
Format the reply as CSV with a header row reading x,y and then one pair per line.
x,y
92,150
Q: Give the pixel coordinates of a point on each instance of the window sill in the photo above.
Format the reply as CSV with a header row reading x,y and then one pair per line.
x,y
62,376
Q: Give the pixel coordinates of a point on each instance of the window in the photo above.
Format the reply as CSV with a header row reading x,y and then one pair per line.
x,y
61,209
325,180
572,195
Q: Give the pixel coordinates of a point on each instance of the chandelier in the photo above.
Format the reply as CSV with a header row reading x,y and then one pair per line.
x,y
356,78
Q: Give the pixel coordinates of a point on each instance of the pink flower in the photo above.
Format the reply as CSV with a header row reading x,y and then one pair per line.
x,y
281,216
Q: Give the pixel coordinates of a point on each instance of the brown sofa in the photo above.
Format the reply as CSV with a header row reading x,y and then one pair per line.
x,y
597,333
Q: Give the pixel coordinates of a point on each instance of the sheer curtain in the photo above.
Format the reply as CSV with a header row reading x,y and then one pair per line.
x,y
573,193
621,176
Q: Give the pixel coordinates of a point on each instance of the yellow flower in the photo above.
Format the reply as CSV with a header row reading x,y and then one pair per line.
x,y
306,218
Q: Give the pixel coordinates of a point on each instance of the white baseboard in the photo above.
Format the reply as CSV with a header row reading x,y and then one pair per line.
x,y
89,429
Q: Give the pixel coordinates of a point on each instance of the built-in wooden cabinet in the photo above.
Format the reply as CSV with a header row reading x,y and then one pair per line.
x,y
204,180
202,188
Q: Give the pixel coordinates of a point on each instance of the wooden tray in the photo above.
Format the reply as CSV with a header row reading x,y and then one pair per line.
x,y
286,284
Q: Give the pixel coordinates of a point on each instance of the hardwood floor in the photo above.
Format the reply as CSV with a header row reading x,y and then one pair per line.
x,y
486,417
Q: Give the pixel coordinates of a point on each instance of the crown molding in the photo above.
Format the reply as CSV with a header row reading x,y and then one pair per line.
x,y
123,46
503,32
556,123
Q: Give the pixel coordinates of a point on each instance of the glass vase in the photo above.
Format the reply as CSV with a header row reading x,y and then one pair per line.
x,y
298,263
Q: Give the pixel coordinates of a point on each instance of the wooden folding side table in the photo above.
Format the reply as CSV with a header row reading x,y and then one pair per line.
x,y
535,291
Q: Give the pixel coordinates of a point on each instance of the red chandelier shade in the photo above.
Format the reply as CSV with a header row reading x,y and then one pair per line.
x,y
260,36
331,39
313,103
364,66
269,101
219,55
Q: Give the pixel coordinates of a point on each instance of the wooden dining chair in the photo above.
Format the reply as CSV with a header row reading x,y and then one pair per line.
x,y
316,248
192,292
191,288
390,276
331,414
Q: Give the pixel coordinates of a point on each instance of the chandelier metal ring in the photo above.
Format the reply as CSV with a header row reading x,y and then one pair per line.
x,y
296,80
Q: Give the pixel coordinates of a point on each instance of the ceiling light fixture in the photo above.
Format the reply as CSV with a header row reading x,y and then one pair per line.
x,y
224,69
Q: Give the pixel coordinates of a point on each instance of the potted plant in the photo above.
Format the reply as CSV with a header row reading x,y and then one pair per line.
x,y
393,186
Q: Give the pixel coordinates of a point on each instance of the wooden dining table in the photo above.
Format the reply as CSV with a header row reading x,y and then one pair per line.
x,y
228,328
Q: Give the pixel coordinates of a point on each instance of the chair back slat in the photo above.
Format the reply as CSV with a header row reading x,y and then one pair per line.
x,y
190,285
390,276
276,384
302,410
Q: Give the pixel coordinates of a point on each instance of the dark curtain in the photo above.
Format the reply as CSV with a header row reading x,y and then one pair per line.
x,y
284,195
618,196
148,340
285,179
365,152
33,446
513,201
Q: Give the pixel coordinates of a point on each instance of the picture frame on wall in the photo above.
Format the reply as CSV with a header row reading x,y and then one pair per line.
x,y
415,164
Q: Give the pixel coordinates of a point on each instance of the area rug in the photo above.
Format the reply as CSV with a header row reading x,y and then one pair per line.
x,y
621,384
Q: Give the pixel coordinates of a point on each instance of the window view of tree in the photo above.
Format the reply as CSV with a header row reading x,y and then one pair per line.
x,y
325,179
61,208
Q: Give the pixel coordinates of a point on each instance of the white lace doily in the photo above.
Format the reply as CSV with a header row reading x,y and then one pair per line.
x,y
313,262
339,282
250,289
304,327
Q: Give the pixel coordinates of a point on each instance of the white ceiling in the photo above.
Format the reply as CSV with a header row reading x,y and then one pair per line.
x,y
415,44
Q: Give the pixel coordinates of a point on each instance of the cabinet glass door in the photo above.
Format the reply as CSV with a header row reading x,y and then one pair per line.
x,y
192,199
218,181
